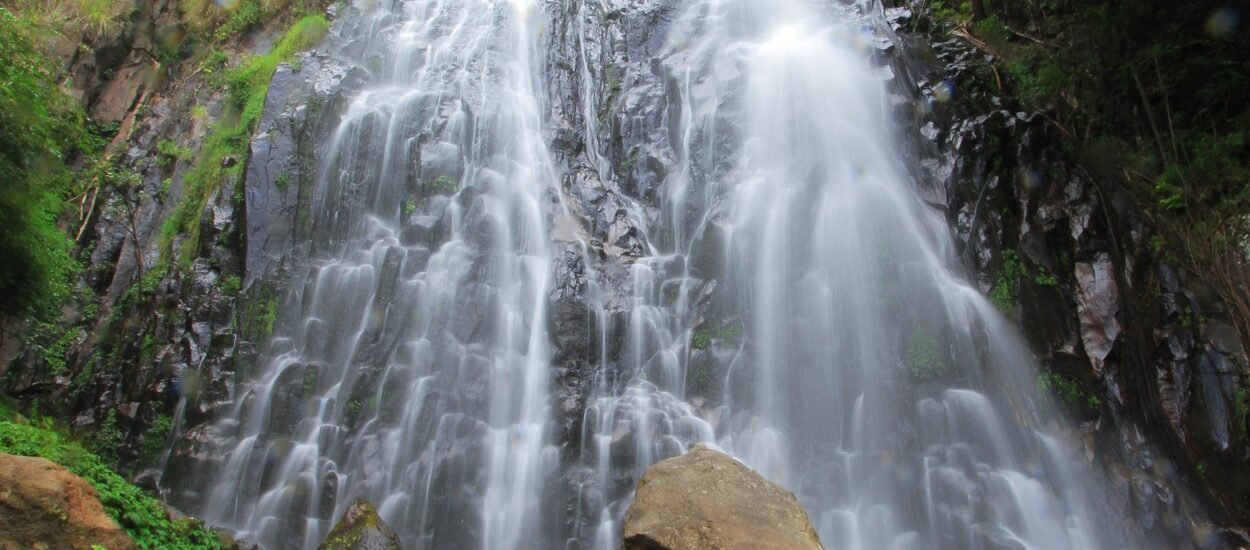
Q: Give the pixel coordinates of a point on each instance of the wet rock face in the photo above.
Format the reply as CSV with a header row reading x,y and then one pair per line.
x,y
706,500
361,529
43,505
1138,340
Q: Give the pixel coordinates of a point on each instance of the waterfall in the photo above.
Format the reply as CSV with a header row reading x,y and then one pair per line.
x,y
416,367
779,290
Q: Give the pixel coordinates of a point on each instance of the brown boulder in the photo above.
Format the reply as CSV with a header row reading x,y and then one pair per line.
x,y
43,505
706,500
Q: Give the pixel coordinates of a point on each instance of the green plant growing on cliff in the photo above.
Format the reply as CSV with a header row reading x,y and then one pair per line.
x,y
441,185
1067,389
107,438
141,516
154,438
230,285
1007,283
925,360
169,152
225,149
245,15
703,337
40,128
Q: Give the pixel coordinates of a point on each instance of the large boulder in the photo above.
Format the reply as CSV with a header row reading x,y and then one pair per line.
x,y
43,505
706,500
361,529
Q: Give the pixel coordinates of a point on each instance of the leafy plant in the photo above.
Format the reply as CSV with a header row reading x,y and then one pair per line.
x,y
168,152
442,185
1007,283
141,516
230,285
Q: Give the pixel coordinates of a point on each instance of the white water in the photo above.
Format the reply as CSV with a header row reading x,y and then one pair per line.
x,y
423,361
859,369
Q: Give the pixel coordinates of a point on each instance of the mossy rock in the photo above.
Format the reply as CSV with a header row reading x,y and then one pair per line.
x,y
361,529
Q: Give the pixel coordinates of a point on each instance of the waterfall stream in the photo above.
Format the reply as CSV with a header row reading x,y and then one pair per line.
x,y
778,290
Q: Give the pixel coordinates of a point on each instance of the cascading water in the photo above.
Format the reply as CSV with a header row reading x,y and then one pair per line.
x,y
420,358
796,306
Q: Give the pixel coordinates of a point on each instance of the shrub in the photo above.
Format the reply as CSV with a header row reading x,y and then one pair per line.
x,y
142,516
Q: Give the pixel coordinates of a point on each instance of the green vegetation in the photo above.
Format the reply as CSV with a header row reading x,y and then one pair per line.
x,y
169,152
155,437
702,338
245,16
1067,389
230,285
1007,284
1152,105
225,149
40,130
924,355
442,185
142,516
409,207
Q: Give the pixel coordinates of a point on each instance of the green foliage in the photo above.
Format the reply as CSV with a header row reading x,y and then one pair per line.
x,y
169,152
925,359
247,87
142,516
230,285
1217,175
310,380
1067,389
702,338
40,127
1007,283
1046,279
441,185
409,207
107,438
154,438
283,181
246,15
354,406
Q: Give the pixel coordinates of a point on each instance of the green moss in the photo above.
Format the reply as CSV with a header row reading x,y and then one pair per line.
x,y
702,338
925,359
230,137
442,185
141,516
1007,284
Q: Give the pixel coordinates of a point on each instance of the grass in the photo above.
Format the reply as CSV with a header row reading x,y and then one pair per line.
x,y
140,515
230,137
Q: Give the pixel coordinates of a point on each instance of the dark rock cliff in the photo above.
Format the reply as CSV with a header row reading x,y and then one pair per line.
x,y
1141,353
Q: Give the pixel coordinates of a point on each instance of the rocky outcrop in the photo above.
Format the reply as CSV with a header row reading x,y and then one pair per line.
x,y
361,529
43,505
1145,352
706,500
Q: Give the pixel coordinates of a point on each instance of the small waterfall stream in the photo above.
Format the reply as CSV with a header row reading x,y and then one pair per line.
x,y
793,301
